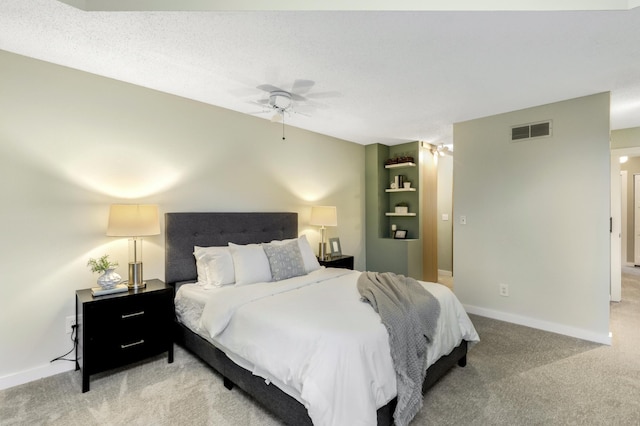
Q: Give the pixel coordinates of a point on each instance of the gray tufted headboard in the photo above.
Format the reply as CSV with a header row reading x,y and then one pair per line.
x,y
185,230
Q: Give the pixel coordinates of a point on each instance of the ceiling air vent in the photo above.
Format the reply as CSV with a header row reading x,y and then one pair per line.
x,y
530,131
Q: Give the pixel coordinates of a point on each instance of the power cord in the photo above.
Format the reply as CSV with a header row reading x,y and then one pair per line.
x,y
75,344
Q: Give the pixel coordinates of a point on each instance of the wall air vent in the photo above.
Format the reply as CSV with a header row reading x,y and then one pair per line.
x,y
530,131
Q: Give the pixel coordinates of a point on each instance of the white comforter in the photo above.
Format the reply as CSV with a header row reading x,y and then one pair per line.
x,y
314,335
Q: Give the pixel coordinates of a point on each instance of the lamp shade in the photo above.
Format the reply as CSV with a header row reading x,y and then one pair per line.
x,y
324,216
133,220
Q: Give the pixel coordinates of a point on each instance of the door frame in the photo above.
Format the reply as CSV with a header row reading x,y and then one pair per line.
x,y
624,185
615,280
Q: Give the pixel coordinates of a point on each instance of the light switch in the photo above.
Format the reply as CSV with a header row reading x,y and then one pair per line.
x,y
463,220
445,216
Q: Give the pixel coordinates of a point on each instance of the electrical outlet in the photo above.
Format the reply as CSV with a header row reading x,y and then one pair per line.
x,y
69,323
504,290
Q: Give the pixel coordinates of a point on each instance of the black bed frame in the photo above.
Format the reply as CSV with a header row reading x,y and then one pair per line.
x,y
183,231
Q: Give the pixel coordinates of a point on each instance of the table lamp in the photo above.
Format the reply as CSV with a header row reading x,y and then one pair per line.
x,y
134,221
323,216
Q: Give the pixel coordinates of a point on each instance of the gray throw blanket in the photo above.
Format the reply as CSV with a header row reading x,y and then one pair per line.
x,y
410,314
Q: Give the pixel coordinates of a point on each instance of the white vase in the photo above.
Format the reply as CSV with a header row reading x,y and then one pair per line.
x,y
109,279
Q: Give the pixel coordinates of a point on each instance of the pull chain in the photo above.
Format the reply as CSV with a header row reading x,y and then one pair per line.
x,y
283,125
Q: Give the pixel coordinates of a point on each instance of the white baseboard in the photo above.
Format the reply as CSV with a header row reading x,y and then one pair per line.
x,y
445,273
540,325
36,373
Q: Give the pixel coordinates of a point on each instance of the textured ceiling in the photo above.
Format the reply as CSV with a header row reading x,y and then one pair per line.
x,y
380,76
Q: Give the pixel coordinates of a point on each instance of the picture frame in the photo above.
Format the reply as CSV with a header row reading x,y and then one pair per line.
x,y
334,247
400,234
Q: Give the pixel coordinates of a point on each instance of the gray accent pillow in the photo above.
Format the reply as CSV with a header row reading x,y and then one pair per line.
x,y
285,260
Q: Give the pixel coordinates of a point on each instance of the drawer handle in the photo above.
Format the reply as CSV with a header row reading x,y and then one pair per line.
x,y
132,344
135,314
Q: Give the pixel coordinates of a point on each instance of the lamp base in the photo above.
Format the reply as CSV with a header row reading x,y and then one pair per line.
x,y
322,251
135,276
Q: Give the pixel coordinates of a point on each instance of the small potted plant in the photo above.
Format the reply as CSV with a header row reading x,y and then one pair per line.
x,y
402,208
103,265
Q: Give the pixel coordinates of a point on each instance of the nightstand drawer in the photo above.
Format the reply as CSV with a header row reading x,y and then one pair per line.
x,y
133,312
113,351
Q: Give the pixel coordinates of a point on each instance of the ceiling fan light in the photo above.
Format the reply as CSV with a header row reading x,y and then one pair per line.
x,y
280,100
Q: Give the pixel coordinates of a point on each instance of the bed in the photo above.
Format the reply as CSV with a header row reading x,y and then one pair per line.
x,y
281,395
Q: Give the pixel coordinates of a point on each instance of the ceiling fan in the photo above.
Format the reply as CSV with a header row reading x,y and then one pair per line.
x,y
297,100
280,103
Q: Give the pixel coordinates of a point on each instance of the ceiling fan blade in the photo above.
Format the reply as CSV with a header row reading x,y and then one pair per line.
x,y
298,112
304,109
270,88
313,104
324,95
297,97
262,111
302,86
264,105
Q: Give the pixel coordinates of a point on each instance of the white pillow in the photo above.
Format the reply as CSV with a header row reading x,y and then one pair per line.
x,y
214,265
250,264
308,256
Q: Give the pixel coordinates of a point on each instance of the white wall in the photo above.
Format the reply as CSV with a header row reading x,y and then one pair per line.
x,y
537,218
72,143
625,138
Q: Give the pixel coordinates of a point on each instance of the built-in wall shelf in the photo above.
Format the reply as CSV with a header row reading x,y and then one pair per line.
x,y
399,165
385,166
400,189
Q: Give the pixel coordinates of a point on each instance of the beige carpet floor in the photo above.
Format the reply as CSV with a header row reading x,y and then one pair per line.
x,y
514,376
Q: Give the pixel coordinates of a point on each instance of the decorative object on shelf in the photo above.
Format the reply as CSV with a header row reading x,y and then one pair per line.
x,y
134,221
399,160
407,185
398,182
109,278
402,208
334,247
323,216
400,234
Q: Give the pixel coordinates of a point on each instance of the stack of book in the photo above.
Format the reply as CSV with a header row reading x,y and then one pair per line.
x,y
99,291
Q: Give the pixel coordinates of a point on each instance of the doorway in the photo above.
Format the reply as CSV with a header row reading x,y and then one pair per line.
x,y
622,215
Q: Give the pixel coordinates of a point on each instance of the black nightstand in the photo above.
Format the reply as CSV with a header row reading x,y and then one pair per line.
x,y
118,329
344,261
